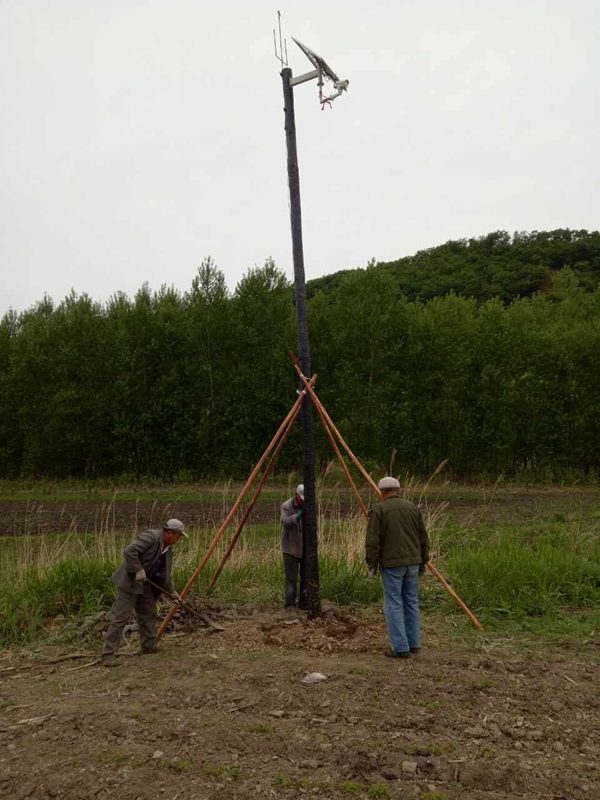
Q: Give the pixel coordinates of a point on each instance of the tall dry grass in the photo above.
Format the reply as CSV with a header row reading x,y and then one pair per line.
x,y
51,573
502,571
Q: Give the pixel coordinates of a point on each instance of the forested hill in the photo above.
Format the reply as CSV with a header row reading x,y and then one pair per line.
x,y
495,265
181,385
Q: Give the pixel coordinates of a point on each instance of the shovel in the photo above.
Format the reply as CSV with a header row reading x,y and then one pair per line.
x,y
181,603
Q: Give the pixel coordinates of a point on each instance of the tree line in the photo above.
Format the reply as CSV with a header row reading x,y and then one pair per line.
x,y
193,385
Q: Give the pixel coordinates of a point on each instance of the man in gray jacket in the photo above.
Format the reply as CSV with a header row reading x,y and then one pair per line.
x,y
292,545
150,556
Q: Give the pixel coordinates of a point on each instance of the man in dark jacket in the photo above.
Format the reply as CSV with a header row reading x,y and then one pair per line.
x,y
292,545
150,556
397,543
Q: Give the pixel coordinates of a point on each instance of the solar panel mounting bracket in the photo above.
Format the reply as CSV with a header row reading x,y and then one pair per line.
x,y
308,76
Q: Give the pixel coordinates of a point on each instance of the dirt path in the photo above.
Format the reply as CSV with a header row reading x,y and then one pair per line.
x,y
224,715
505,506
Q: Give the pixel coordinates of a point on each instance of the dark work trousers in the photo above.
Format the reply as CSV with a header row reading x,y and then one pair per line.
x,y
292,565
144,606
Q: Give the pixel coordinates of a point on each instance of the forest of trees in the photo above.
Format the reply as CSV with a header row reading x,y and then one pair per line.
x,y
496,265
437,358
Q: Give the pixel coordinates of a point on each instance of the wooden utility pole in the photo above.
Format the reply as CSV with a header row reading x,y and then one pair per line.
x,y
309,517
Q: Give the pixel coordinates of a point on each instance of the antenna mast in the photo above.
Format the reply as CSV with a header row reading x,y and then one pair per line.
x,y
282,45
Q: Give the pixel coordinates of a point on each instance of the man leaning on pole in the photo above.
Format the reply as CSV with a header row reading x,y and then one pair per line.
x,y
292,548
397,543
149,557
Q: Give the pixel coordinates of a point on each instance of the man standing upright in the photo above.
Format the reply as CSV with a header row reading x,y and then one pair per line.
x,y
150,556
292,545
397,543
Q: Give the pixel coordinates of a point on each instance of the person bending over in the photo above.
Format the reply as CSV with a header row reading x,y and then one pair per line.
x,y
150,556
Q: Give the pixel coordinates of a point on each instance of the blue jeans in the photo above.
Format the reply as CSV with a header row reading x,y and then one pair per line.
x,y
401,606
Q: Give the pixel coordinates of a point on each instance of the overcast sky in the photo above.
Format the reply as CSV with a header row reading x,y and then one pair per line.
x,y
138,137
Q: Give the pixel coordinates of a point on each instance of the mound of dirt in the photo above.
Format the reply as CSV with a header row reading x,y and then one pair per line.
x,y
336,632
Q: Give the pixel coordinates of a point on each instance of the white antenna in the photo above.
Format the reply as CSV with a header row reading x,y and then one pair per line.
x,y
321,72
283,60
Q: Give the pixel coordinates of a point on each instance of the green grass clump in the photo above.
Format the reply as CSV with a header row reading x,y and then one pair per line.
x,y
282,780
114,758
517,576
485,683
351,787
549,572
360,671
260,728
380,790
180,765
424,749
212,770
71,588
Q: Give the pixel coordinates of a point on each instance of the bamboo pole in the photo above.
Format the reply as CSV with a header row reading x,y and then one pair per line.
x,y
252,503
237,504
341,459
454,596
319,406
331,423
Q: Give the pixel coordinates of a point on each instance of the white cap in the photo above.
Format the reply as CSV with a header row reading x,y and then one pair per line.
x,y
300,490
175,526
388,483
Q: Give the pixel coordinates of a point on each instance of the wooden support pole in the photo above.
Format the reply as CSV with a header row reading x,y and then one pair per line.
x,y
324,415
341,459
454,596
252,503
310,543
237,504
318,403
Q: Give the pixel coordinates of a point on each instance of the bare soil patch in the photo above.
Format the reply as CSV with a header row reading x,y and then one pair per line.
x,y
224,715
500,506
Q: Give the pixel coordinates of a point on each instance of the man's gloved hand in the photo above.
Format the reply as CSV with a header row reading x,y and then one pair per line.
x,y
298,514
141,575
372,574
422,569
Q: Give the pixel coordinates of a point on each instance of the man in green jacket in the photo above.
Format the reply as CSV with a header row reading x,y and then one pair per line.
x,y
397,543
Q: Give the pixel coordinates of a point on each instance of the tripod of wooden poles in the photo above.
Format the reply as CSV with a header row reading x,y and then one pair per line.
x,y
273,451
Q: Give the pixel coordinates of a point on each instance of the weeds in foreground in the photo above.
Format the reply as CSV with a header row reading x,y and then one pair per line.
x,y
510,576
261,728
424,750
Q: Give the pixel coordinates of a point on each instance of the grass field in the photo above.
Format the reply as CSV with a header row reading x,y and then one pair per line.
x,y
542,574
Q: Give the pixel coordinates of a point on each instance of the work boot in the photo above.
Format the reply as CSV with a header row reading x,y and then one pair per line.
x,y
394,654
109,661
415,650
146,651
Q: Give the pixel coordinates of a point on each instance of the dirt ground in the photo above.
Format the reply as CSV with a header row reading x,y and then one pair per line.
x,y
506,506
225,715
